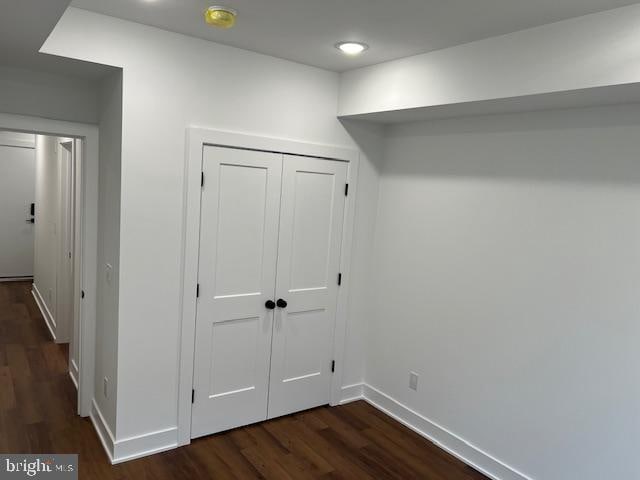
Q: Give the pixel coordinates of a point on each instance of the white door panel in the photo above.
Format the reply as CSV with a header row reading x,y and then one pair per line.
x,y
311,220
237,271
17,192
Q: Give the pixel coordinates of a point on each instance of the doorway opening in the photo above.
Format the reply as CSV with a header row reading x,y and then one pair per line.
x,y
48,240
39,232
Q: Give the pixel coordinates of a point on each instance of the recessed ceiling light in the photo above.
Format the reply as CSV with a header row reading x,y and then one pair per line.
x,y
222,17
352,48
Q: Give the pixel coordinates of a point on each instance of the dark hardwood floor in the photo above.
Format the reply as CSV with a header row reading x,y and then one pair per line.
x,y
354,441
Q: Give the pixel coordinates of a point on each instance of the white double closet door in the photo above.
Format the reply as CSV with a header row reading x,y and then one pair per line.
x,y
271,231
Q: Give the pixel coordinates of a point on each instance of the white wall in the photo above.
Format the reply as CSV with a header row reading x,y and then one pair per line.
x,y
50,251
506,274
108,245
47,218
39,94
171,82
591,51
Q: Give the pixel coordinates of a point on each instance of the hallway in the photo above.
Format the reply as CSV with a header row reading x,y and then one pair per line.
x,y
354,441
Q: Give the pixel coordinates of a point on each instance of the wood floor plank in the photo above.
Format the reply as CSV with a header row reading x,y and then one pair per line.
x,y
7,393
350,442
280,428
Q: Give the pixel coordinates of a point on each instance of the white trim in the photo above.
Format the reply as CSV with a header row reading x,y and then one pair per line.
x,y
44,310
352,393
342,309
441,437
86,251
18,145
144,445
102,429
131,448
196,138
16,279
7,140
73,372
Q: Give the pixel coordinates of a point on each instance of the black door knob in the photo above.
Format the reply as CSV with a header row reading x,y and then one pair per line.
x,y
270,304
281,303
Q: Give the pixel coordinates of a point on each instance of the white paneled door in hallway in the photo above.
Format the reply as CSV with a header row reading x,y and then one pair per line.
x,y
270,239
17,193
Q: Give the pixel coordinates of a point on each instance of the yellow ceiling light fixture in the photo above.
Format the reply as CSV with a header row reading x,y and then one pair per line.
x,y
222,17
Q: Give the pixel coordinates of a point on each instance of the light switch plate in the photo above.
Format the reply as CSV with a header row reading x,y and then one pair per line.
x,y
413,381
108,273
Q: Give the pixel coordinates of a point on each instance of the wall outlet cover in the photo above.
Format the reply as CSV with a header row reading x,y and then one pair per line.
x,y
413,381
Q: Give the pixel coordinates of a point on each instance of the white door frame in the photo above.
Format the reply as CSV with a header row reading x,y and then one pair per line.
x,y
65,334
85,254
196,140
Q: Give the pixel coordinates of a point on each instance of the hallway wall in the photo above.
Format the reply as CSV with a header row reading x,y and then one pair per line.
x,y
170,83
49,246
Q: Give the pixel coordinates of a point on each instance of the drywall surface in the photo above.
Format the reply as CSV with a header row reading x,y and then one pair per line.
x,y
591,51
171,82
46,254
108,247
507,267
26,92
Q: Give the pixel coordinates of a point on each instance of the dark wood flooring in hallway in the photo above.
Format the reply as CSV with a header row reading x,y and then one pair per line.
x,y
351,442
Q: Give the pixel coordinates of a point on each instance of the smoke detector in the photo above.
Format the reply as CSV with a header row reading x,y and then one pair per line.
x,y
221,17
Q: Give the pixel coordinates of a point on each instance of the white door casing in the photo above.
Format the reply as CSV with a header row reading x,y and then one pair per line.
x,y
311,220
17,192
197,140
237,271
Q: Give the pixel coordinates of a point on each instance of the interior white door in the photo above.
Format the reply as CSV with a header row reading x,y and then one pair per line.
x,y
311,220
17,192
64,272
237,272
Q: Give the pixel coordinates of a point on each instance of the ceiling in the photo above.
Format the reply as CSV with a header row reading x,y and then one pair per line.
x,y
24,26
305,31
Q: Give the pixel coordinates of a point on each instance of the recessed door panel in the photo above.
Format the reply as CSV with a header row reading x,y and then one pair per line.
x,y
234,345
241,220
237,271
311,220
311,229
304,357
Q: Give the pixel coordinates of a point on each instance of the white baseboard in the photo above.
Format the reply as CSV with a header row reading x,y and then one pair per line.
x,y
146,444
131,448
73,372
155,442
44,310
440,436
102,429
15,279
351,393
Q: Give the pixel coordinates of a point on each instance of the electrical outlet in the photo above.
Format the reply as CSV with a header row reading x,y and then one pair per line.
x,y
413,381
105,385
